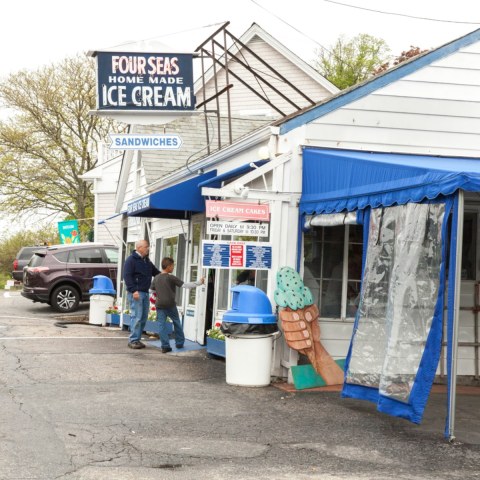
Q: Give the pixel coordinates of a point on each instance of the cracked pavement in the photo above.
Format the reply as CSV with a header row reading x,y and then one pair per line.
x,y
77,404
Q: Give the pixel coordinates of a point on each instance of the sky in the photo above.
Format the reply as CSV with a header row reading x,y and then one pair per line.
x,y
36,33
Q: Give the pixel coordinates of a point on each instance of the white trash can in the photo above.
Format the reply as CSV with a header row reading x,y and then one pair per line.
x,y
98,305
248,359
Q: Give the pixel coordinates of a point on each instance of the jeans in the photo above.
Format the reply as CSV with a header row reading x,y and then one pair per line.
x,y
139,313
172,313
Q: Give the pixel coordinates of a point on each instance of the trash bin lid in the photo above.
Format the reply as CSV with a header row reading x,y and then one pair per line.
x,y
249,305
102,285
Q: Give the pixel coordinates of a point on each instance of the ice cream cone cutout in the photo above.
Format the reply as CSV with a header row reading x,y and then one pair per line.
x,y
299,322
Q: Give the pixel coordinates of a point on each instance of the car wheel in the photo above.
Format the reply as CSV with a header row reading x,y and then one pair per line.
x,y
65,299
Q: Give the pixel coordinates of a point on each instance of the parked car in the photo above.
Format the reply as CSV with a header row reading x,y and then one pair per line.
x,y
62,275
21,260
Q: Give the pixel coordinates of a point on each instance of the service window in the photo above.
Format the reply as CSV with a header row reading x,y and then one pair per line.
x,y
333,267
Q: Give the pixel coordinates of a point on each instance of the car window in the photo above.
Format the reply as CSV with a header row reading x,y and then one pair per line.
x,y
86,255
112,255
36,260
26,253
62,256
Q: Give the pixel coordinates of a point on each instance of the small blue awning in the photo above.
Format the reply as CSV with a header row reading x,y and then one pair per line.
x,y
347,180
172,202
216,181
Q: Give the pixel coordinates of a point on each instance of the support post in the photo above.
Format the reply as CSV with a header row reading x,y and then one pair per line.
x,y
456,312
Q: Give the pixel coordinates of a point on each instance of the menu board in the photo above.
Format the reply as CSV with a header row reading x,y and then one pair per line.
x,y
225,254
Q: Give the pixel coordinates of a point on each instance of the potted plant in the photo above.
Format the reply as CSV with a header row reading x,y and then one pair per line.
x,y
153,325
216,341
113,315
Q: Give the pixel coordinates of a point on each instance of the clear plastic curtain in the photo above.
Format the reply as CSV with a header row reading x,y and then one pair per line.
x,y
397,336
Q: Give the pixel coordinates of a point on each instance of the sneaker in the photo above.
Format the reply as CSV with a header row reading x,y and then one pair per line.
x,y
136,345
166,349
179,346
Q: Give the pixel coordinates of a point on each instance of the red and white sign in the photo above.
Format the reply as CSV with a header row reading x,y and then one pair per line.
x,y
246,211
237,254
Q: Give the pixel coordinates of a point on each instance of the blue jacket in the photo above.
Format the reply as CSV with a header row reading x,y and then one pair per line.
x,y
138,273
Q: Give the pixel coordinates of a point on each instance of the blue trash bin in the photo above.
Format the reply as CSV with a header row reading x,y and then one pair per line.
x,y
100,299
249,328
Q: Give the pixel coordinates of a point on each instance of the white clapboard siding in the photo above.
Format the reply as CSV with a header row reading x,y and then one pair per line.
x,y
104,209
335,337
244,101
434,110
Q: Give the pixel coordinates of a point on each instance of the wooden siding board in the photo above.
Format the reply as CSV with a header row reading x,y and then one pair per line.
x,y
407,121
427,106
438,91
444,74
384,136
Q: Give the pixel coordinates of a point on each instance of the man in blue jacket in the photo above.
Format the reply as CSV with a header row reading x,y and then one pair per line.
x,y
137,273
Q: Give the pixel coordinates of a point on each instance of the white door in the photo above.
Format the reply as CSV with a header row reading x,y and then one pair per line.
x,y
468,333
194,318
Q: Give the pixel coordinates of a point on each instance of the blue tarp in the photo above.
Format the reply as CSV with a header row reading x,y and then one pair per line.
x,y
347,180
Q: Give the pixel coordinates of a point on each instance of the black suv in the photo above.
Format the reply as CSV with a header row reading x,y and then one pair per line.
x,y
62,275
21,260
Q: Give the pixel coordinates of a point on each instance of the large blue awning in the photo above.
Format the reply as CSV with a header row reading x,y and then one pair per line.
x,y
172,202
347,180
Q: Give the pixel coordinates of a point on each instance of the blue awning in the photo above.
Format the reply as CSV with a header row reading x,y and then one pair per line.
x,y
172,202
347,180
216,181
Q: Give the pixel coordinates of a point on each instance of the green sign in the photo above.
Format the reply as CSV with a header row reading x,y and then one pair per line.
x,y
68,231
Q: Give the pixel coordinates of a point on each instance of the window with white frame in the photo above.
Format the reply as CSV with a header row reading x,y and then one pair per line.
x,y
332,269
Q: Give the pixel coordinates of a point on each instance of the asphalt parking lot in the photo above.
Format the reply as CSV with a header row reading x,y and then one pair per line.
x,y
78,404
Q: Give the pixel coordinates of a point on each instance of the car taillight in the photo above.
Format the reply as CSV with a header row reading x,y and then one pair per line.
x,y
15,264
37,269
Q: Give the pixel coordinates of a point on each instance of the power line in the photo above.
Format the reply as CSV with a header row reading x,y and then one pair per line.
x,y
401,14
167,35
290,25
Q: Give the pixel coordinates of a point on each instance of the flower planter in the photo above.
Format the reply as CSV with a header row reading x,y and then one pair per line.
x,y
216,347
154,327
113,318
126,321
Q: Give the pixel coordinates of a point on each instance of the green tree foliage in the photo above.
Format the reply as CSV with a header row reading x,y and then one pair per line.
x,y
9,247
50,140
349,62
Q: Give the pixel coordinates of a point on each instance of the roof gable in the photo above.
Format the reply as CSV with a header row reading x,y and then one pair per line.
x,y
362,90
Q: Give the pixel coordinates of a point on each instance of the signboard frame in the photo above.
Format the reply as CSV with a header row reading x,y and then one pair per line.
x,y
237,228
230,255
145,82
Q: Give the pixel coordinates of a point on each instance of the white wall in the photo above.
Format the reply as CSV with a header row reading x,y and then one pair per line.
x,y
433,111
